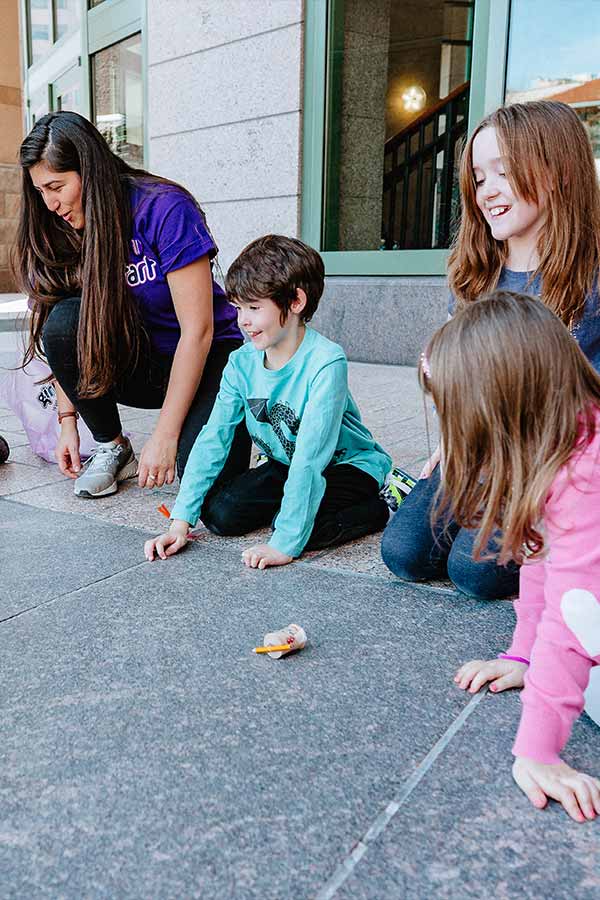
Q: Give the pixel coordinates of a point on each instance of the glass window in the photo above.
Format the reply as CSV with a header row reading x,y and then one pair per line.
x,y
66,17
398,95
66,92
49,20
565,65
118,98
40,29
38,104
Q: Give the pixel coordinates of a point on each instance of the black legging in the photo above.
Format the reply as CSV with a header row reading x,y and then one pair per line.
x,y
143,386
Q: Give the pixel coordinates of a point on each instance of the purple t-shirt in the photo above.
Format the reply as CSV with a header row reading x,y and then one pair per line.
x,y
169,233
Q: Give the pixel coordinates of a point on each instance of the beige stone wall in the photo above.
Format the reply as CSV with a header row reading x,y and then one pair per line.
x,y
11,133
224,118
10,187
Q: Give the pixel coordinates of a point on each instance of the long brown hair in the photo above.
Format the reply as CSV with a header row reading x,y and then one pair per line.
x,y
548,158
513,391
52,260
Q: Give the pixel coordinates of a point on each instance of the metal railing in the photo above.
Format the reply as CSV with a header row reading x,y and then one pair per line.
x,y
419,183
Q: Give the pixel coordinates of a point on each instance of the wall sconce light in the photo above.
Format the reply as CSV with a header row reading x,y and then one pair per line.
x,y
413,98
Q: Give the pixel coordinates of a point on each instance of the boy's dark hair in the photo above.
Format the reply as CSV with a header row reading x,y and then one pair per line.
x,y
273,267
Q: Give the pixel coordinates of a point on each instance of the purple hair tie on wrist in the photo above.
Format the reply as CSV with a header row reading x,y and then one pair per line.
x,y
514,658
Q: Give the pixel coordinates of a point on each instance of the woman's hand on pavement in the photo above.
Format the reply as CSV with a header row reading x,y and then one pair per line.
x,y
261,556
503,673
169,543
579,794
431,463
157,461
67,449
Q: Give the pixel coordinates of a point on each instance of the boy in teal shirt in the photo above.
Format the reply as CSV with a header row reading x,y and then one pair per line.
x,y
320,485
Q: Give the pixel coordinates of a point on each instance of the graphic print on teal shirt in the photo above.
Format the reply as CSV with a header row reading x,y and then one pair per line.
x,y
280,412
302,415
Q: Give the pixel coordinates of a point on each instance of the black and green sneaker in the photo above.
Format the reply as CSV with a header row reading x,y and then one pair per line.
x,y
398,485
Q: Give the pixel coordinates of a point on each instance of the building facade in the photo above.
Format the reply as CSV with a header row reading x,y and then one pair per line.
x,y
336,120
11,134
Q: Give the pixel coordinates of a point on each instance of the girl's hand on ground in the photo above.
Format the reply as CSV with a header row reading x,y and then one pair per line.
x,y
168,543
67,449
431,463
503,673
578,793
157,461
261,555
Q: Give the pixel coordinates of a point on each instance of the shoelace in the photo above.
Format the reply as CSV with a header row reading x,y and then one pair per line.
x,y
103,457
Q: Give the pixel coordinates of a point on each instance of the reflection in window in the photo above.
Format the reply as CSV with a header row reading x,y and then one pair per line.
x,y
66,17
565,65
40,28
67,92
48,21
398,94
38,104
118,99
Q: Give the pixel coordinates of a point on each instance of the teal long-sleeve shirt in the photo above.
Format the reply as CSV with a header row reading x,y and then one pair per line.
x,y
302,415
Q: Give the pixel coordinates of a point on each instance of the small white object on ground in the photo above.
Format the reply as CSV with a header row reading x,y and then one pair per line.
x,y
292,635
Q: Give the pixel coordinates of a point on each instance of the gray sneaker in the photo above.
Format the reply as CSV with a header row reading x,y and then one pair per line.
x,y
109,464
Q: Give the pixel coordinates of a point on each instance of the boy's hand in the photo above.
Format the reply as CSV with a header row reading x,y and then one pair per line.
x,y
578,793
261,555
169,543
503,673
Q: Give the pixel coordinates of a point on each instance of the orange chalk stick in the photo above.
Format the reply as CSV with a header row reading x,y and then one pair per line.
x,y
163,509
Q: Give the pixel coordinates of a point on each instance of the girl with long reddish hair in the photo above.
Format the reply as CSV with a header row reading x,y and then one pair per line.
x,y
519,405
530,223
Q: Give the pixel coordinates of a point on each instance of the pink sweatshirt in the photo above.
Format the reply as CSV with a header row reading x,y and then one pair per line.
x,y
558,610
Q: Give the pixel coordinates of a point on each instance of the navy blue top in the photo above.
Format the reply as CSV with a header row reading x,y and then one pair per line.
x,y
586,331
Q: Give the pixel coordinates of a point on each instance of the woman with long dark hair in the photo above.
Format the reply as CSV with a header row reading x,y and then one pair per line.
x,y
117,264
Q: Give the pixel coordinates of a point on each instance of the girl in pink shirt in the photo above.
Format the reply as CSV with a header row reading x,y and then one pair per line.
x,y
519,405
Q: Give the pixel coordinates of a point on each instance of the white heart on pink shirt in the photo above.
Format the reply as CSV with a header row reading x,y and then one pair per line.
x,y
581,613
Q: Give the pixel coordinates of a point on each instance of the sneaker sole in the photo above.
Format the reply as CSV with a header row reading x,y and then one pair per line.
x,y
128,471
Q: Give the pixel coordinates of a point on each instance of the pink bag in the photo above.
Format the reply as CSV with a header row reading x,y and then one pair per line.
x,y
36,406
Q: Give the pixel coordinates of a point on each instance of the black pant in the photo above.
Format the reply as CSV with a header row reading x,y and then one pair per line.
x,y
143,386
351,506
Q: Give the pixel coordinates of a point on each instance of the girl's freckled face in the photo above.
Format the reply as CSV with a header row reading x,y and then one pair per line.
x,y
507,215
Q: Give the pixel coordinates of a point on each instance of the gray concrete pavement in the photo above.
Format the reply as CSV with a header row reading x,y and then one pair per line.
x,y
146,752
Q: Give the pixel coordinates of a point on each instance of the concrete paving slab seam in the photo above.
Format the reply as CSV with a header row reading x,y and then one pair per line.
x,y
76,590
347,866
